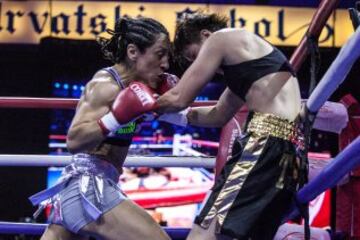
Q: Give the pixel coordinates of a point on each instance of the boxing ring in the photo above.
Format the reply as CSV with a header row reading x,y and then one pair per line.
x,y
63,160
327,178
341,164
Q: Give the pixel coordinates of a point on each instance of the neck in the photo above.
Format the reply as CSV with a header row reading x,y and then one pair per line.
x,y
126,73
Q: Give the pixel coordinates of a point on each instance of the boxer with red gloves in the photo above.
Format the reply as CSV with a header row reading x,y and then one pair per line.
x,y
88,200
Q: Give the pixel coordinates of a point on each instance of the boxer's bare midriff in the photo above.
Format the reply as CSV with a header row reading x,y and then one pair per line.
x,y
116,155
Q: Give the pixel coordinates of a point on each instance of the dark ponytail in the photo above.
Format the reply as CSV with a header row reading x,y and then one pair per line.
x,y
142,32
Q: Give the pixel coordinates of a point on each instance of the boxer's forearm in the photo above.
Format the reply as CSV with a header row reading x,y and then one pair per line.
x,y
206,117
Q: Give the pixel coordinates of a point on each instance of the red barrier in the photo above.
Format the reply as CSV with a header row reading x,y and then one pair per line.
x,y
348,195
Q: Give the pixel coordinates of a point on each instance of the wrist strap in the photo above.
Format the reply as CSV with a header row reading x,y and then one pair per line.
x,y
104,130
108,123
177,118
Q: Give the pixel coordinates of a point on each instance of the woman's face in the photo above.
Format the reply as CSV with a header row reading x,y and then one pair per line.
x,y
191,51
151,64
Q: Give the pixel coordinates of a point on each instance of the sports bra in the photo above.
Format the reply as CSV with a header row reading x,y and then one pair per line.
x,y
122,136
240,77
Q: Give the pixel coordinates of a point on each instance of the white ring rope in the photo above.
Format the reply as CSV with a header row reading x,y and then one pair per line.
x,y
132,146
18,160
131,161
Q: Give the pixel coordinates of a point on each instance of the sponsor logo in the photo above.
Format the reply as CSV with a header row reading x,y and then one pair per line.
x,y
144,97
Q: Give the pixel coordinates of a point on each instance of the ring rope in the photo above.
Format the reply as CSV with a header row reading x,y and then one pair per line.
x,y
317,24
59,103
38,229
131,161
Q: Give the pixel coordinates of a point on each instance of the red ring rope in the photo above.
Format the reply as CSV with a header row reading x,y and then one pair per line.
x,y
58,103
317,23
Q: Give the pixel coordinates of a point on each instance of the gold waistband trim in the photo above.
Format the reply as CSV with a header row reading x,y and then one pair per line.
x,y
264,124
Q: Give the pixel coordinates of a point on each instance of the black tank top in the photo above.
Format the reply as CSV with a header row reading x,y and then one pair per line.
x,y
239,77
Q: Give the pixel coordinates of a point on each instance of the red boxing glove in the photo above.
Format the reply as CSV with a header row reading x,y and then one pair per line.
x,y
129,105
169,81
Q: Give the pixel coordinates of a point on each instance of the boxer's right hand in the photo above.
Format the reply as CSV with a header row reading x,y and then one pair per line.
x,y
129,105
169,81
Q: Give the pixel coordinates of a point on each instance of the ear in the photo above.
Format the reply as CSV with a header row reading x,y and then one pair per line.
x,y
132,52
204,34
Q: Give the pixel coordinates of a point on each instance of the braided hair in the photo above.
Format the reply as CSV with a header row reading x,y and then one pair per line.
x,y
142,32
